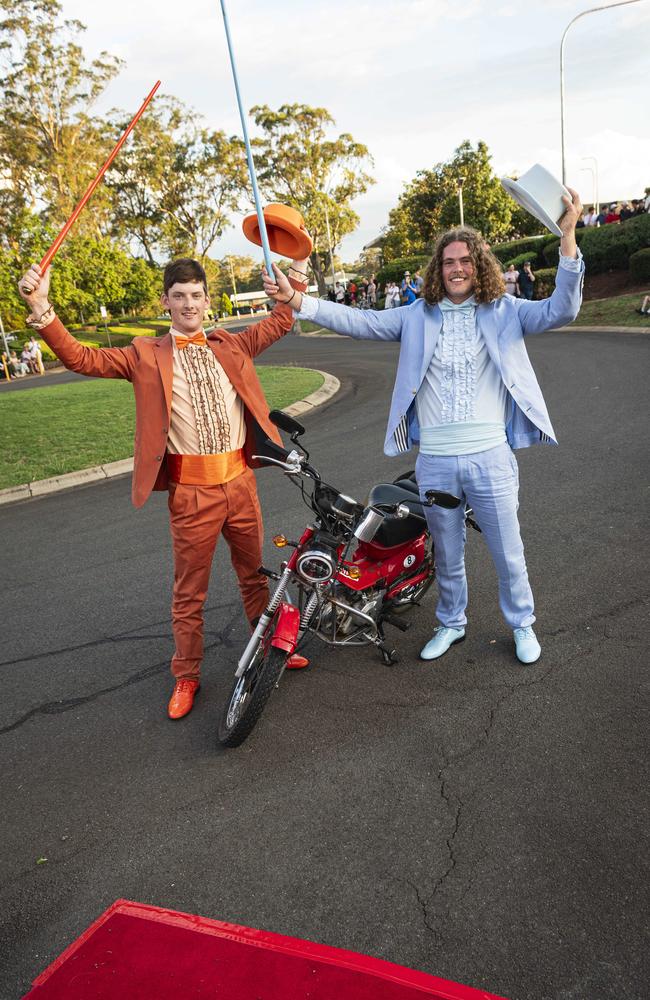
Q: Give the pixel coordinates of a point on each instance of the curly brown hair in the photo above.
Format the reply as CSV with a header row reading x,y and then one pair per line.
x,y
488,279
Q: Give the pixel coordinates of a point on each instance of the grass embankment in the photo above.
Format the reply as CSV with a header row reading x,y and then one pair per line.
x,y
620,310
58,429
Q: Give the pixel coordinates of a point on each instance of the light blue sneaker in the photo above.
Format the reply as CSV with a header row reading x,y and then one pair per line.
x,y
526,644
443,638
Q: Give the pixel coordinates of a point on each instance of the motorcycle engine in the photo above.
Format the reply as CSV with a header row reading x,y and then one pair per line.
x,y
336,619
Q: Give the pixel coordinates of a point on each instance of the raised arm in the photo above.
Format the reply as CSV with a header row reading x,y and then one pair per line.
x,y
108,362
564,304
258,336
364,324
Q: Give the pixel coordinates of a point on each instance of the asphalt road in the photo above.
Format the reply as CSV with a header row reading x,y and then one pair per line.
x,y
477,819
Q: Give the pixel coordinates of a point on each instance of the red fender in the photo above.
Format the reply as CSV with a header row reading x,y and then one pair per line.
x,y
285,635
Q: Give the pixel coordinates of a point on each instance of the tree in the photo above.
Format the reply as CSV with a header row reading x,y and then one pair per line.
x,y
50,144
137,178
429,205
177,183
298,165
226,305
142,287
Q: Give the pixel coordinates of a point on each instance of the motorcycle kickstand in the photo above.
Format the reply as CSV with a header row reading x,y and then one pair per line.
x,y
389,656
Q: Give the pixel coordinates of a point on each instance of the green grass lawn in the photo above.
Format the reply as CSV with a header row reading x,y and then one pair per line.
x,y
58,429
617,311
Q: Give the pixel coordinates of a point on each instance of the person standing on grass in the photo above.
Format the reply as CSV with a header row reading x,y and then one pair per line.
x,y
466,391
200,415
526,281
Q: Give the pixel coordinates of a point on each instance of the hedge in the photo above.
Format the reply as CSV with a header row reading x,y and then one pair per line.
x,y
132,331
544,282
610,247
640,264
394,271
505,253
551,250
521,260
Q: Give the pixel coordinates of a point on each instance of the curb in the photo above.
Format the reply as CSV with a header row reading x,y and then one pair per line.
x,y
578,328
70,480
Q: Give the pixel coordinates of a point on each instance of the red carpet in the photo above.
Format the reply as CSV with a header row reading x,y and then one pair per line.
x,y
138,952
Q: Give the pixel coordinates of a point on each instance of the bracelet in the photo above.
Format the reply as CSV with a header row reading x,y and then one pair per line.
x,y
304,273
285,302
38,323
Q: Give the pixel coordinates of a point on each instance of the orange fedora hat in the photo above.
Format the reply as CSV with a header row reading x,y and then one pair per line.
x,y
285,227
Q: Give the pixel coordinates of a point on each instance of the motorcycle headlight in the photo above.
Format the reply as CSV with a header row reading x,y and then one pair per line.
x,y
315,566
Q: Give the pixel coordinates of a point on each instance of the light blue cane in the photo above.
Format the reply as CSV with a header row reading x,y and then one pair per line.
x,y
249,153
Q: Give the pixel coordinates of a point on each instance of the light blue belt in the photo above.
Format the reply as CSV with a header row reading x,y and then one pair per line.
x,y
461,438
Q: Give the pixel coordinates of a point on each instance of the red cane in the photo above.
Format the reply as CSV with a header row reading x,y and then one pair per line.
x,y
47,259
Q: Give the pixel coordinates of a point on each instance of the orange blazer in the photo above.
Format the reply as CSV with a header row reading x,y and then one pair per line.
x,y
148,365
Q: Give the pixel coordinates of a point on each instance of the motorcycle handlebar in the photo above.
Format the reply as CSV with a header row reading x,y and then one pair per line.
x,y
294,465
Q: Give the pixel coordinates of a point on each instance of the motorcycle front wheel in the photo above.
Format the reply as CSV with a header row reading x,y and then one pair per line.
x,y
249,695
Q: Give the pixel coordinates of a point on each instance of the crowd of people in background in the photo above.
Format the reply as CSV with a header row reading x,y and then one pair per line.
x,y
30,361
605,215
368,293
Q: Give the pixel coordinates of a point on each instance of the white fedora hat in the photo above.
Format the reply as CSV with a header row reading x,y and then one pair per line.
x,y
540,193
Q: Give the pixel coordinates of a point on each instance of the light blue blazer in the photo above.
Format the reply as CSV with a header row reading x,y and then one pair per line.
x,y
503,323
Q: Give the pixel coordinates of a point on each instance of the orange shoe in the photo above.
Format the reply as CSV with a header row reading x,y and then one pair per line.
x,y
182,698
296,662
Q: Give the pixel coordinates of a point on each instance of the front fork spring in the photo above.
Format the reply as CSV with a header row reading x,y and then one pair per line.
x,y
308,611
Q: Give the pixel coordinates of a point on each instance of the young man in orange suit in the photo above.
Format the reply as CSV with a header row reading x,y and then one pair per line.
x,y
199,410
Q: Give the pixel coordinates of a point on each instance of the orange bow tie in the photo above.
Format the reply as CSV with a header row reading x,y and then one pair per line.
x,y
182,342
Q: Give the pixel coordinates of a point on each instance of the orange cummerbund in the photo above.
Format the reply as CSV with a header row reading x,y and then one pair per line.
x,y
206,470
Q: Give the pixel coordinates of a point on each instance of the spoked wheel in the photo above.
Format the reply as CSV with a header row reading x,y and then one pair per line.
x,y
249,695
409,596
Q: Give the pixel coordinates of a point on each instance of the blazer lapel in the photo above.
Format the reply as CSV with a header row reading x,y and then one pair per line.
x,y
165,359
486,321
432,327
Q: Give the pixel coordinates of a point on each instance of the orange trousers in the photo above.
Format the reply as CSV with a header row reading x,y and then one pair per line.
x,y
198,514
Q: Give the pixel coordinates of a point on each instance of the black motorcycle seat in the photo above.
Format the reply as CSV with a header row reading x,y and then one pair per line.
x,y
408,484
396,530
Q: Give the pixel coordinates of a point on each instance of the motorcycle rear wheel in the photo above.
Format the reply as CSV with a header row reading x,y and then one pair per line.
x,y
249,695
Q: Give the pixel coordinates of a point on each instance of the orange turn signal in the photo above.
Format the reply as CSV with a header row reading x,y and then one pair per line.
x,y
279,541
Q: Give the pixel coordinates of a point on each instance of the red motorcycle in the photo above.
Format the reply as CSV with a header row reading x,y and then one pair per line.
x,y
356,568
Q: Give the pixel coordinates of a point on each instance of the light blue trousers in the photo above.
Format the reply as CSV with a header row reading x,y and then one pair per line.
x,y
489,482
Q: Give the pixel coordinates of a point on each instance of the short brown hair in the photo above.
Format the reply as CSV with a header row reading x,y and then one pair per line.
x,y
182,270
488,280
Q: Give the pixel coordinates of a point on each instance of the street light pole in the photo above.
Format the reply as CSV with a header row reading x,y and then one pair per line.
x,y
4,337
592,10
234,286
329,243
460,181
594,172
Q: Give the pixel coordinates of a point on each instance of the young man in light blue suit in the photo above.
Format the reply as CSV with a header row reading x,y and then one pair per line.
x,y
466,392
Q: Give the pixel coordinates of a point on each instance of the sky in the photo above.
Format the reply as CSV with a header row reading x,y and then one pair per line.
x,y
410,80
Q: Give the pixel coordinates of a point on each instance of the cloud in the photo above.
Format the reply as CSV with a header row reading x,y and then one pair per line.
x,y
410,81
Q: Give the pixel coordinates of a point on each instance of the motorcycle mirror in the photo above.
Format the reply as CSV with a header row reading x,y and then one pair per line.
x,y
446,500
286,423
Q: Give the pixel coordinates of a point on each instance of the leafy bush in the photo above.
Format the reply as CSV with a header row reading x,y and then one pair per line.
x,y
551,252
610,247
545,282
132,331
531,246
640,264
521,260
551,248
394,271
